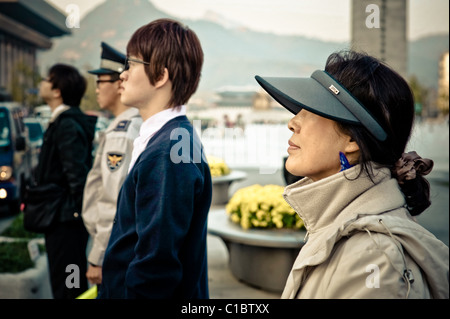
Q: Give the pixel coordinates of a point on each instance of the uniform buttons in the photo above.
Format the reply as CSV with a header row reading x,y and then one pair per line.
x,y
75,215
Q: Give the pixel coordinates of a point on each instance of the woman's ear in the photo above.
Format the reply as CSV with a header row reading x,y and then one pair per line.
x,y
351,150
351,147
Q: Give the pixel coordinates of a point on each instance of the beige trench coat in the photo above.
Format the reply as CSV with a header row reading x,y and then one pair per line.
x,y
362,242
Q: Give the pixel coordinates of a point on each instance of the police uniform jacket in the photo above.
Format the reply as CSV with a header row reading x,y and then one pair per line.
x,y
105,179
157,247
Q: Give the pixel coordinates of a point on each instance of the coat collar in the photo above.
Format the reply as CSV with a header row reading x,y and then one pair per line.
x,y
328,206
57,111
337,198
343,204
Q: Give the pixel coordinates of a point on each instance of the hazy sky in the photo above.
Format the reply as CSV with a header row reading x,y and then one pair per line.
x,y
323,19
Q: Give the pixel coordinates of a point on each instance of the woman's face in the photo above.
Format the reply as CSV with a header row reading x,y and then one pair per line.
x,y
315,145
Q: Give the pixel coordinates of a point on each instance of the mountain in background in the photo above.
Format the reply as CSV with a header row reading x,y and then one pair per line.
x,y
233,56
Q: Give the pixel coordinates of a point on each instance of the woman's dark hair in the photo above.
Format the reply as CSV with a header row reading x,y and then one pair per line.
x,y
69,81
388,97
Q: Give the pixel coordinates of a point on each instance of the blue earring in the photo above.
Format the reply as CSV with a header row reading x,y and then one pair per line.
x,y
344,162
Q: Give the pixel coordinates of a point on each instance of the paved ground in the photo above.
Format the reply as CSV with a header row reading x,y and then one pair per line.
x,y
222,284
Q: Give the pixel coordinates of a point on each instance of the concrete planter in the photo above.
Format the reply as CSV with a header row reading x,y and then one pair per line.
x,y
259,257
222,184
33,283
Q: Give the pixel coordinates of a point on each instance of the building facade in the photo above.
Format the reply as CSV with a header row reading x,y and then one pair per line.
x,y
25,27
443,84
379,28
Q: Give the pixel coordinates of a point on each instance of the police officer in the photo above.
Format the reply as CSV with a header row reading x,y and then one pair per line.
x,y
111,161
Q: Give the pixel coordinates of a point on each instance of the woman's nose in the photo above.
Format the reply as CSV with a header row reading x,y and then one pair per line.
x,y
291,125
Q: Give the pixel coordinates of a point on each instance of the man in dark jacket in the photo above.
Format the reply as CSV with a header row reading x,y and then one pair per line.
x,y
65,160
157,247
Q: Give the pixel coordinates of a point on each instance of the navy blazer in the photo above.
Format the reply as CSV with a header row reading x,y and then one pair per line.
x,y
157,247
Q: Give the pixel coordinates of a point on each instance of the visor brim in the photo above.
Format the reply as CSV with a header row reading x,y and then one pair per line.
x,y
313,96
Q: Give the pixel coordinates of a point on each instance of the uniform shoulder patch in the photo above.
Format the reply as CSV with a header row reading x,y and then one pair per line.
x,y
114,161
122,126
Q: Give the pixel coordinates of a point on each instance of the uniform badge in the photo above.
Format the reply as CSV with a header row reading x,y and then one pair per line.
x,y
122,126
114,161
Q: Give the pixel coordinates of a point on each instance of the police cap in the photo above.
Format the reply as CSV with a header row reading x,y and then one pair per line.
x,y
112,61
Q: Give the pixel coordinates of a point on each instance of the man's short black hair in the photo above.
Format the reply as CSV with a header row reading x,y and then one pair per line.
x,y
69,81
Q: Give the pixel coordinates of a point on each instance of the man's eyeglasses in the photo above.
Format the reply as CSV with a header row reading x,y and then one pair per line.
x,y
102,81
127,62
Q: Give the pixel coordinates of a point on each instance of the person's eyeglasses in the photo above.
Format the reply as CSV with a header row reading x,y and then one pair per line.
x,y
102,81
127,62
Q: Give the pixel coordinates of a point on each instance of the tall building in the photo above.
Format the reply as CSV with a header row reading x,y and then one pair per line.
x,y
379,28
443,86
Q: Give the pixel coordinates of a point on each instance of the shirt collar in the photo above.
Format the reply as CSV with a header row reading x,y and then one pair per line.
x,y
157,121
57,111
150,127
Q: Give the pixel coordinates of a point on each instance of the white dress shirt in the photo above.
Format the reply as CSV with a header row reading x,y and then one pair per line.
x,y
150,127
58,110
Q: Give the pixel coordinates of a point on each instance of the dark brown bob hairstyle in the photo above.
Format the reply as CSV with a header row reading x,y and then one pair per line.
x,y
167,43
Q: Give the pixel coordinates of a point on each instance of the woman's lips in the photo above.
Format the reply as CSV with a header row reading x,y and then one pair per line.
x,y
292,146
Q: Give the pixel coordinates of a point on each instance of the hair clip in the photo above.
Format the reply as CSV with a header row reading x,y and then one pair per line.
x,y
344,162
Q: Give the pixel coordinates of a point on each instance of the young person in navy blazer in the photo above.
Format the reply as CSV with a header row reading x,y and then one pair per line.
x,y
157,247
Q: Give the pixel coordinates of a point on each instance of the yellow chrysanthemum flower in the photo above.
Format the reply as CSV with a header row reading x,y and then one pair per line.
x,y
217,166
262,207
